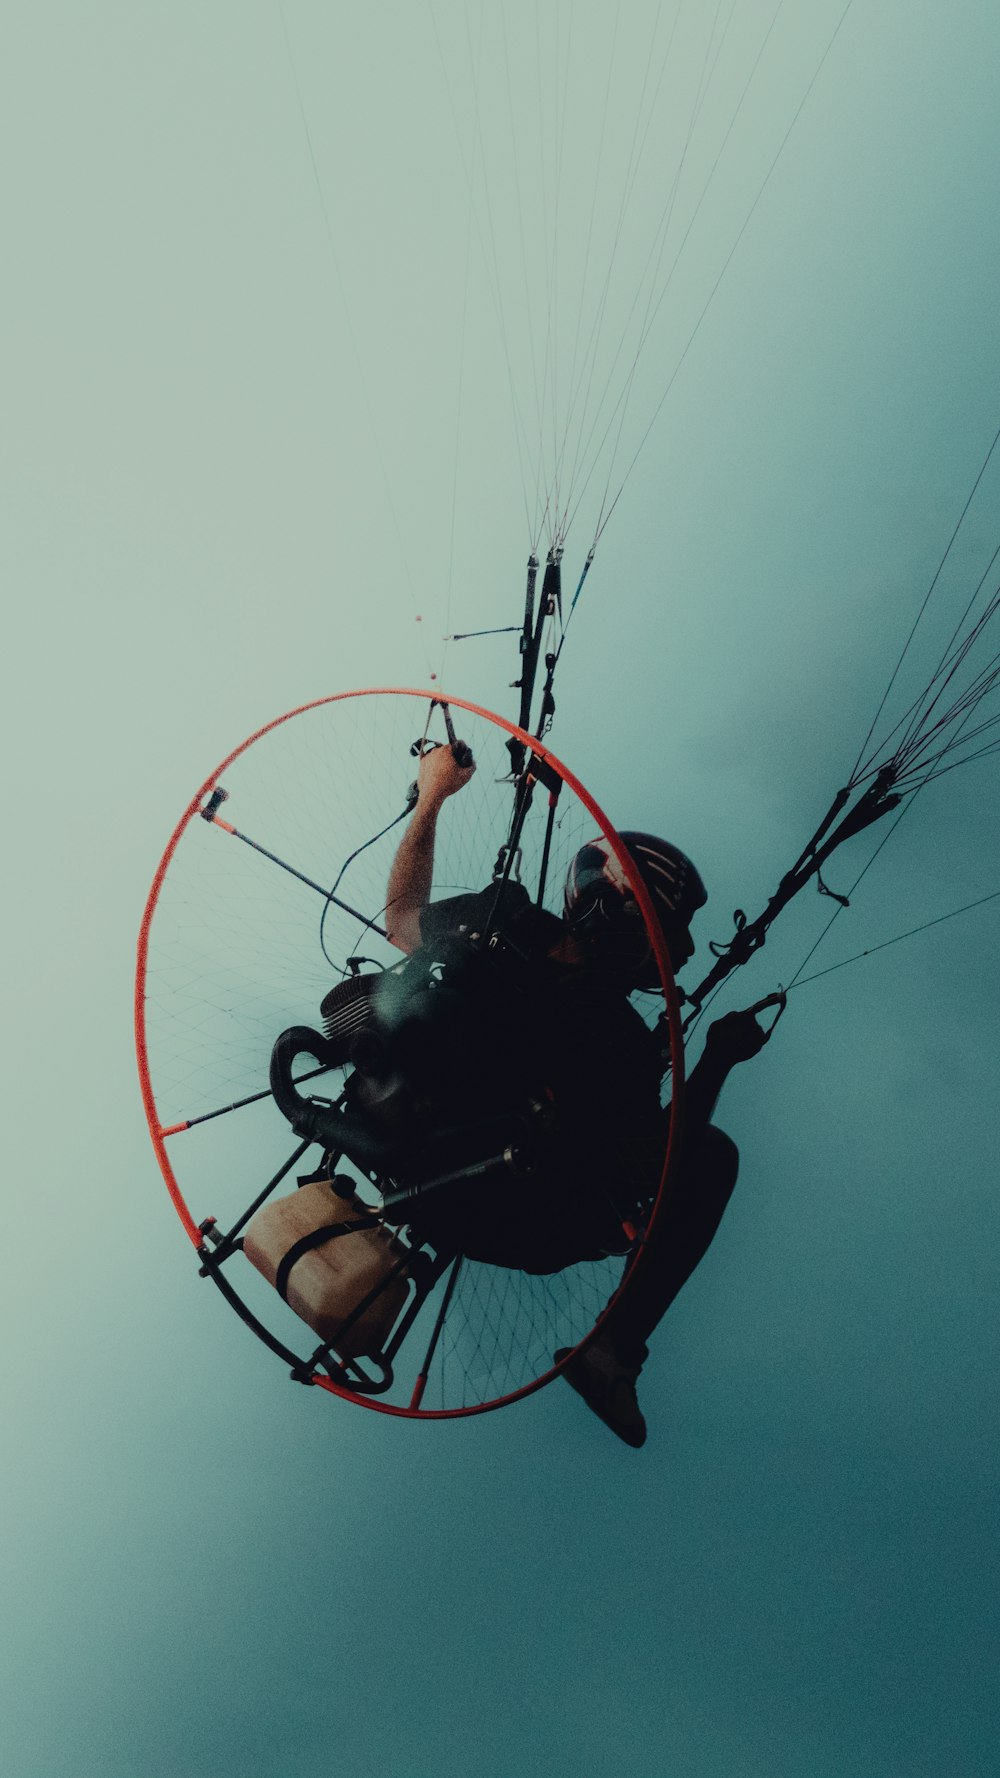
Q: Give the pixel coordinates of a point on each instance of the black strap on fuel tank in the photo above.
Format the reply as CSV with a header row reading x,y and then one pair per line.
x,y
308,1243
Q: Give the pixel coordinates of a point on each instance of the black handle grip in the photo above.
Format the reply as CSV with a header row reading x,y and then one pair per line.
x,y
461,752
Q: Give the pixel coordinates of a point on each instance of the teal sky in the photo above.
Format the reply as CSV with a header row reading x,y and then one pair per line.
x,y
257,419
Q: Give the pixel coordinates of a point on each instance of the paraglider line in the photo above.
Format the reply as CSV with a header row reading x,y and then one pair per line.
x,y
994,894
835,916
363,382
927,596
727,261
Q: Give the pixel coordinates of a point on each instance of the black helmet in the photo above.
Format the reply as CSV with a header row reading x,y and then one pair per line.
x,y
600,907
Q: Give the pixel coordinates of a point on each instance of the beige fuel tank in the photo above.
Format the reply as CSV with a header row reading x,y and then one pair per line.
x,y
323,1273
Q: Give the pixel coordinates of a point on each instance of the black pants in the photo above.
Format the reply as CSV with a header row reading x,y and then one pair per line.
x,y
682,1234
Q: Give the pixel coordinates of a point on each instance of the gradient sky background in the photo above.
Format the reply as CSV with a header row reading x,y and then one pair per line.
x,y
234,377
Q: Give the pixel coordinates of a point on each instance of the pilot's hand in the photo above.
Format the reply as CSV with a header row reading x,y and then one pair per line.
x,y
440,775
735,1038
